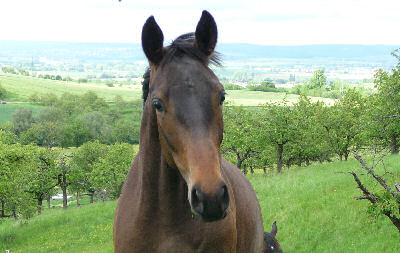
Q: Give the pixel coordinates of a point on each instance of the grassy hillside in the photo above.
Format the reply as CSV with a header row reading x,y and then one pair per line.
x,y
313,206
21,87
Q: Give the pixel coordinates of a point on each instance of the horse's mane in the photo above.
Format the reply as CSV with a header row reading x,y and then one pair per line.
x,y
181,46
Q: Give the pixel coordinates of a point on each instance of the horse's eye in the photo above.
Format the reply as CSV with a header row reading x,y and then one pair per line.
x,y
222,98
158,104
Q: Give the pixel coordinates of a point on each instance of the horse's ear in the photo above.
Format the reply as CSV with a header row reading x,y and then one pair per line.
x,y
152,41
274,229
206,33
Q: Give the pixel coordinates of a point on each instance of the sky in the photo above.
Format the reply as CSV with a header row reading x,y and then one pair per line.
x,y
268,22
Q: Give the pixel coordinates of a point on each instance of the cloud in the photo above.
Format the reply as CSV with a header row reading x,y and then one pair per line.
x,y
251,21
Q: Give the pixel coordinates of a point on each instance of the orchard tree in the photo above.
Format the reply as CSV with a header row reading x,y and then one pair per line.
x,y
65,175
309,142
109,173
343,125
241,135
278,128
83,163
385,107
386,200
14,180
42,175
7,137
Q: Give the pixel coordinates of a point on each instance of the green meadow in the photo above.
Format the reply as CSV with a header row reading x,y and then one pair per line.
x,y
21,87
314,208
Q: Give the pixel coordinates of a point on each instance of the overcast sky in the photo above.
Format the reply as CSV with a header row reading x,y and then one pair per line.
x,y
268,22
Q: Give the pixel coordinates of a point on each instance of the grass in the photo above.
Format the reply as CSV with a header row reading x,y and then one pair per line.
x,y
313,206
316,211
21,87
84,229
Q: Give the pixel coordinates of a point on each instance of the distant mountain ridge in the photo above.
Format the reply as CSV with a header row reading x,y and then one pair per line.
x,y
75,51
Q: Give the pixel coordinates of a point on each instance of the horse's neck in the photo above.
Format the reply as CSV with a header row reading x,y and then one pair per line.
x,y
161,186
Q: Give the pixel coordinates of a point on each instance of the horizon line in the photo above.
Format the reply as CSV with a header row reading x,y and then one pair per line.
x,y
225,43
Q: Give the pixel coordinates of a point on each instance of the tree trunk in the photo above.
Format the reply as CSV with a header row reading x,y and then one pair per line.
x,y
245,169
39,207
64,190
279,160
394,145
299,162
307,162
91,197
14,214
346,155
340,157
394,220
239,164
2,208
65,201
48,202
77,200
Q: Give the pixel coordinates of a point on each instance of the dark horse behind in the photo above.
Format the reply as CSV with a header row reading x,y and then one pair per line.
x,y
180,194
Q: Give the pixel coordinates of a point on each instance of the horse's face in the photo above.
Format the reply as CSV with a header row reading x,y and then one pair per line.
x,y
271,244
187,98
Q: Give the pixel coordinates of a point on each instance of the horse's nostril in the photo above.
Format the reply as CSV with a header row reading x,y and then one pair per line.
x,y
223,197
197,200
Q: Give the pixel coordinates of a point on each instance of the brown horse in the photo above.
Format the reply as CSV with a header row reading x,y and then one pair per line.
x,y
271,243
180,195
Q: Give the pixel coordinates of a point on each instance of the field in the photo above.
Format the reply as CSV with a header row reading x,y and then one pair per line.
x,y
313,206
22,87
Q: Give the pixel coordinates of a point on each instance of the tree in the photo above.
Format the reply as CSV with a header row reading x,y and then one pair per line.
x,y
99,130
109,173
47,134
15,161
22,120
240,135
75,134
310,142
43,175
3,92
65,175
385,107
318,80
124,131
83,164
385,201
278,128
342,123
49,114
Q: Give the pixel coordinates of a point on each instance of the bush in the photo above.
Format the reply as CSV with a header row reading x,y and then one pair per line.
x,y
3,92
231,86
266,87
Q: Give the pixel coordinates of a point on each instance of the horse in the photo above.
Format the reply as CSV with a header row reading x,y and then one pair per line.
x,y
271,243
180,195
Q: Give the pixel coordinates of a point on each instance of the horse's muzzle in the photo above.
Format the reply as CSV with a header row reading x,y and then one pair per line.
x,y
210,208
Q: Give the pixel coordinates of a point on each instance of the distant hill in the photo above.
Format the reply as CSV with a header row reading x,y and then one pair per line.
x,y
241,51
100,52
